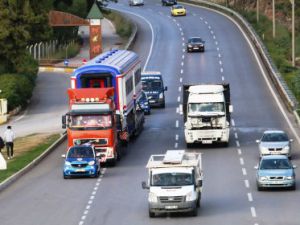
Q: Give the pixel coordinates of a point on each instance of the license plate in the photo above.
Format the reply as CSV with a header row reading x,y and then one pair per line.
x,y
195,48
80,170
207,142
171,207
152,101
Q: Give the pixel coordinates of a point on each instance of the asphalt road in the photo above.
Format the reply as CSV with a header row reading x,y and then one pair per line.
x,y
229,192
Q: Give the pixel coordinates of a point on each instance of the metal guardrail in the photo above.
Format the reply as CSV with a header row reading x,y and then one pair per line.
x,y
287,96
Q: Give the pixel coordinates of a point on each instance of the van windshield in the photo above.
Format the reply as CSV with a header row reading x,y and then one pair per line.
x,y
172,179
152,85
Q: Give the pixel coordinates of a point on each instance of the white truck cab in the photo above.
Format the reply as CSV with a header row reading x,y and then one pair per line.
x,y
174,183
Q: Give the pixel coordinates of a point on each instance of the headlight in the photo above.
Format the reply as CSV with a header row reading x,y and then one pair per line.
x,y
109,152
189,45
263,178
91,163
161,95
152,197
190,197
289,178
67,163
264,149
146,103
286,148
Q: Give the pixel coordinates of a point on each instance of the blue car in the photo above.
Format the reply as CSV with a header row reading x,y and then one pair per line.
x,y
144,103
81,161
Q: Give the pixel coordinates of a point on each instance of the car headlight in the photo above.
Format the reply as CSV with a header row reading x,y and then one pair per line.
x,y
152,197
264,149
91,163
146,103
289,178
190,197
286,148
67,163
263,178
190,46
161,95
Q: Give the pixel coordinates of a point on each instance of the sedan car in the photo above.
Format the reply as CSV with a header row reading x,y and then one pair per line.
x,y
195,44
81,161
178,10
274,142
275,171
136,2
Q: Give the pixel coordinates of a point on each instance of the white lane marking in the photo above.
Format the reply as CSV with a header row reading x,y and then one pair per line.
x,y
223,78
239,151
22,116
86,212
90,202
212,32
242,161
194,14
180,109
94,192
216,43
182,33
232,122
201,18
180,79
253,212
220,62
214,37
178,99
247,185
236,135
244,171
218,49
181,71
80,223
83,217
177,123
183,50
180,28
95,188
183,56
237,143
178,24
209,27
169,17
177,110
250,198
174,20
88,207
176,145
182,38
219,55
182,63
176,137
221,70
183,44
179,89
205,22
92,197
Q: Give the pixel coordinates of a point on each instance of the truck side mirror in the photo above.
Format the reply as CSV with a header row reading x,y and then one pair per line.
x,y
230,108
166,88
63,121
144,185
199,183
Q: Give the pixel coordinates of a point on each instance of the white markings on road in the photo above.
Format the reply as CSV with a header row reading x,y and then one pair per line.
x,y
178,24
177,123
86,212
183,50
244,171
237,143
212,32
88,207
201,18
247,183
218,49
220,62
180,28
219,55
183,56
232,122
216,42
209,27
177,110
182,33
250,198
182,38
181,71
179,89
176,145
194,14
205,22
182,63
174,20
183,44
239,151
214,37
178,99
180,79
242,161
223,78
180,109
22,116
176,137
253,212
236,135
221,70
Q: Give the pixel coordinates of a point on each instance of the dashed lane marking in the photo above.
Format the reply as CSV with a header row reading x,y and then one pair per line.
x,y
242,161
244,171
247,185
250,198
253,212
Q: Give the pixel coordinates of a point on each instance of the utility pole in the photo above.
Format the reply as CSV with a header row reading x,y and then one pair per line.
x,y
257,11
273,10
293,32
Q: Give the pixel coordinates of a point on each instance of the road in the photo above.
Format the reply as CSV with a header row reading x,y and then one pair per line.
x,y
229,192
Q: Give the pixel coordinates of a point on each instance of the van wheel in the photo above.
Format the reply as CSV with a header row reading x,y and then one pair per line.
x,y
194,212
198,202
151,214
189,145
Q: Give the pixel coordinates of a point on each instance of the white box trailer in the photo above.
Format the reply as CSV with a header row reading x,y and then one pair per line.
x,y
175,182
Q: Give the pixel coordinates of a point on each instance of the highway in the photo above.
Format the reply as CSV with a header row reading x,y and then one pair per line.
x,y
229,193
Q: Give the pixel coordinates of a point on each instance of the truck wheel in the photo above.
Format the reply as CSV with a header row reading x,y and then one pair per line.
x,y
151,214
163,105
194,212
198,202
189,145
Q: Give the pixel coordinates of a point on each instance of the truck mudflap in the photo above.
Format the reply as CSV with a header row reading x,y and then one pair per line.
x,y
207,136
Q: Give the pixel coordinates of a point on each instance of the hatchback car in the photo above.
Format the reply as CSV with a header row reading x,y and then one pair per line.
x,y
195,44
144,103
275,171
178,10
274,142
81,161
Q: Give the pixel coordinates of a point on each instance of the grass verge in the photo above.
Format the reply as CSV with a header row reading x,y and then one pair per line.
x,y
26,150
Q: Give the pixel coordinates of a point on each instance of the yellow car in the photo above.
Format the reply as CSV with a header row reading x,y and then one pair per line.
x,y
178,10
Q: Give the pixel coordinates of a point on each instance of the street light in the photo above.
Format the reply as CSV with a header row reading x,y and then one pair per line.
x,y
273,11
293,32
257,10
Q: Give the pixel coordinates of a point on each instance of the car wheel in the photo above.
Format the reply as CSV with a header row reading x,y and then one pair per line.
x,y
66,177
163,105
293,188
151,214
259,188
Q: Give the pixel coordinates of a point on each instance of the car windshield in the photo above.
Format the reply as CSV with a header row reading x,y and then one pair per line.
x,y
195,40
152,85
172,179
269,164
80,152
91,121
178,7
274,137
206,107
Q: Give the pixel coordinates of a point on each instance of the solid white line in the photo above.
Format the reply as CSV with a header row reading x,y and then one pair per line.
x,y
242,161
253,212
177,123
178,99
239,151
247,183
176,145
244,171
236,135
232,122
176,137
180,79
250,198
237,143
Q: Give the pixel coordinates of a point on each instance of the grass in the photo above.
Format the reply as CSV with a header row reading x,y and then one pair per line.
x,y
26,150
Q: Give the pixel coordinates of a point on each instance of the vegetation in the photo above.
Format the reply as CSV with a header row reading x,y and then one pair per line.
x,y
26,150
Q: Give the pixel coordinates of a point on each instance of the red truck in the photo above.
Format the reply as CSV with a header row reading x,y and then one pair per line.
x,y
92,119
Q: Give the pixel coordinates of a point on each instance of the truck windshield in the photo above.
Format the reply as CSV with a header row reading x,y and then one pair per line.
x,y
172,179
206,107
152,85
90,121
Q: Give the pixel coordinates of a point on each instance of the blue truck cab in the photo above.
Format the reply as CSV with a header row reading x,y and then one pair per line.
x,y
153,86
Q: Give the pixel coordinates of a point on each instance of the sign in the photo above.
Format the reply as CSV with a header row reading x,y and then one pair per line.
x,y
95,40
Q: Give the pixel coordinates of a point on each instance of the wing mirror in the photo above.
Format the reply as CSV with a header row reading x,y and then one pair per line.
x,y
144,185
256,167
199,183
291,140
166,88
64,121
294,166
230,108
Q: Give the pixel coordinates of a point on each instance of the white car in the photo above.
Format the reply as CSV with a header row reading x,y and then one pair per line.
x,y
274,142
136,2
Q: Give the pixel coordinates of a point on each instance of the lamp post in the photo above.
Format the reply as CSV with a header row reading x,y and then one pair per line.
x,y
293,32
257,10
273,11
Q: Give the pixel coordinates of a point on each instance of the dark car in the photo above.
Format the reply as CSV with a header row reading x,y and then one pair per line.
x,y
81,161
153,86
168,2
144,103
195,44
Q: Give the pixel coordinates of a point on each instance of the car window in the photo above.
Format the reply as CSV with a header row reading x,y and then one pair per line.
x,y
269,164
195,40
274,137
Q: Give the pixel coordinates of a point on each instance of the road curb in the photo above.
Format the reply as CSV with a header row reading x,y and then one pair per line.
x,y
10,180
56,69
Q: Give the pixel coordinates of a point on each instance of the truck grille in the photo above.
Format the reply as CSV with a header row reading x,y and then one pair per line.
x,y
172,199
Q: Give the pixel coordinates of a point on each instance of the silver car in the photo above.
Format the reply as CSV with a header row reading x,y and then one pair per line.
x,y
274,142
275,171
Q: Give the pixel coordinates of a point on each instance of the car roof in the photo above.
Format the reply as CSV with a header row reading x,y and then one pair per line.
x,y
273,131
274,157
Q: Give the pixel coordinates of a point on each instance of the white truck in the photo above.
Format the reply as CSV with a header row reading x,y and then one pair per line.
x,y
174,183
206,110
